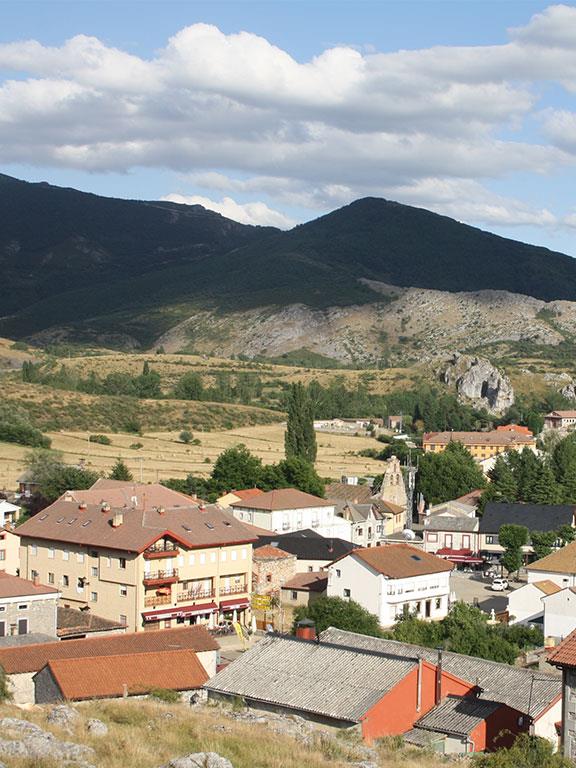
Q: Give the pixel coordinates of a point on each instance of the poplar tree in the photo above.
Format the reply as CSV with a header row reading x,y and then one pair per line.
x,y
300,438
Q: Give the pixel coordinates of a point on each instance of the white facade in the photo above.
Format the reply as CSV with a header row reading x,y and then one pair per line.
x,y
322,519
425,595
562,579
560,614
525,604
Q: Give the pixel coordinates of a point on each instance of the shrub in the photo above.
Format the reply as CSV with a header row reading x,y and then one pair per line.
x,y
102,439
186,436
165,695
136,446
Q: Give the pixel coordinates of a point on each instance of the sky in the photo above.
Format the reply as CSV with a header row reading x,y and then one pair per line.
x,y
277,112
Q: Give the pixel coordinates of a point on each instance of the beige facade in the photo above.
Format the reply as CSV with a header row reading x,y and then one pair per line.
x,y
9,552
146,590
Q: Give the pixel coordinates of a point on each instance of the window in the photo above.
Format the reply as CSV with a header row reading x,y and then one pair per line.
x,y
360,531
94,570
93,597
244,553
2,629
23,607
50,578
2,608
109,562
34,574
202,558
191,559
122,563
346,593
79,584
234,555
338,573
65,581
93,553
51,553
490,539
123,590
22,626
167,624
310,569
438,603
432,537
268,577
212,557
293,595
123,619
80,557
33,549
2,554
65,554
223,556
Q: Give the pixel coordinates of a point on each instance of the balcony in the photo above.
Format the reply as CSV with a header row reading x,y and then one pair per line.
x,y
161,549
195,594
157,600
234,589
157,578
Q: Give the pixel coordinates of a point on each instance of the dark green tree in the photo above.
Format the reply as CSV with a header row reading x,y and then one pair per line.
x,y
543,542
148,383
534,421
564,458
567,534
54,477
235,469
503,483
527,467
300,438
448,475
513,538
545,489
298,473
526,752
120,471
189,387
186,436
342,614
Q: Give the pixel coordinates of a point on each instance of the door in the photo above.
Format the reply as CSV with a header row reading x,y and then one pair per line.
x,y
22,626
448,540
428,608
2,629
466,541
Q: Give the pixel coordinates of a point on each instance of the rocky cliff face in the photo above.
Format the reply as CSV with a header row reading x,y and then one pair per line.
x,y
478,382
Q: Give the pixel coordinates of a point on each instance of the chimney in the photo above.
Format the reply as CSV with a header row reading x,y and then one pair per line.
x,y
68,496
36,580
306,630
82,506
105,507
117,519
201,508
438,696
161,511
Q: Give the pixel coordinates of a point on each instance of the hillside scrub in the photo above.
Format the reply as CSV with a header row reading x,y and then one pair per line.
x,y
17,427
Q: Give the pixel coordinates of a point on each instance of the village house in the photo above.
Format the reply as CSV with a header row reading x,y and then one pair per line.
x,y
558,567
313,552
526,604
232,496
9,514
465,506
382,688
304,589
482,445
390,580
289,510
9,551
119,676
560,420
271,568
23,663
535,517
454,538
564,657
26,607
141,564
73,624
559,614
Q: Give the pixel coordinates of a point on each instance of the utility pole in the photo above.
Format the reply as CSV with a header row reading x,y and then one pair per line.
x,y
410,483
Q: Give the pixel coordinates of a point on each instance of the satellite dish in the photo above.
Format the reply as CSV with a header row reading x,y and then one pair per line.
x,y
408,534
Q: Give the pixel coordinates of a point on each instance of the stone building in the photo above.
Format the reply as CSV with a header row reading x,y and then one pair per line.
x,y
26,607
564,657
272,567
392,488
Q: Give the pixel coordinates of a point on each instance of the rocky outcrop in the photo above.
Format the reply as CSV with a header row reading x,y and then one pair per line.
x,y
479,383
22,739
200,760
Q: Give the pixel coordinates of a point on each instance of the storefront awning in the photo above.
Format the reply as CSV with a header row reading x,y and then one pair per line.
x,y
459,556
231,605
180,612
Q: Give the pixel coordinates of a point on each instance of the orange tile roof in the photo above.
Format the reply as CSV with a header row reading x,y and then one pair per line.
x,y
91,525
307,582
564,655
31,658
109,676
561,561
547,586
122,492
515,428
478,438
470,499
268,552
14,586
400,561
562,414
283,498
247,493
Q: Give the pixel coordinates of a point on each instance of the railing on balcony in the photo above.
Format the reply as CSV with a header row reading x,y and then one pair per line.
x,y
233,589
161,577
162,549
157,600
195,594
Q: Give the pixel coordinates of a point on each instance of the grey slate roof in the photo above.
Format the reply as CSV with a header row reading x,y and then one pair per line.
x,y
333,681
536,517
308,545
458,716
500,682
440,523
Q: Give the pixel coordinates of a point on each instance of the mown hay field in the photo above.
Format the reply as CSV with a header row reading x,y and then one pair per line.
x,y
163,455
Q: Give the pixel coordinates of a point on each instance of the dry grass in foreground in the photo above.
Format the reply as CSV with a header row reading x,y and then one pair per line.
x,y
144,734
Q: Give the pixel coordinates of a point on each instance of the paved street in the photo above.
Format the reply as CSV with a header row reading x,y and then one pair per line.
x,y
470,587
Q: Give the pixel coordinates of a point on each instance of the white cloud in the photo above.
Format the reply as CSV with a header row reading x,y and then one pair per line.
x,y
256,213
426,126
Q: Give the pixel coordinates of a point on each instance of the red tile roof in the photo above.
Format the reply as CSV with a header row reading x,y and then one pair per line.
x,y
248,493
120,493
109,676
478,438
90,524
471,499
72,621
307,582
14,586
565,654
400,561
283,498
31,658
268,552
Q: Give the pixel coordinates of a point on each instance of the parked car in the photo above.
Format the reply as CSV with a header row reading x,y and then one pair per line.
x,y
499,584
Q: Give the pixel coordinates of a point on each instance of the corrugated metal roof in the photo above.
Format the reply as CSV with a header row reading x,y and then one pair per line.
x,y
324,679
458,716
420,738
518,688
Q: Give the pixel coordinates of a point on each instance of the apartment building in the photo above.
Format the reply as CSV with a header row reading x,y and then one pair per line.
x,y
145,566
482,445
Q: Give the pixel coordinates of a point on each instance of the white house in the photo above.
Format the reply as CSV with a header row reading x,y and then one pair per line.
x,y
526,604
9,513
391,579
560,613
289,510
558,567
